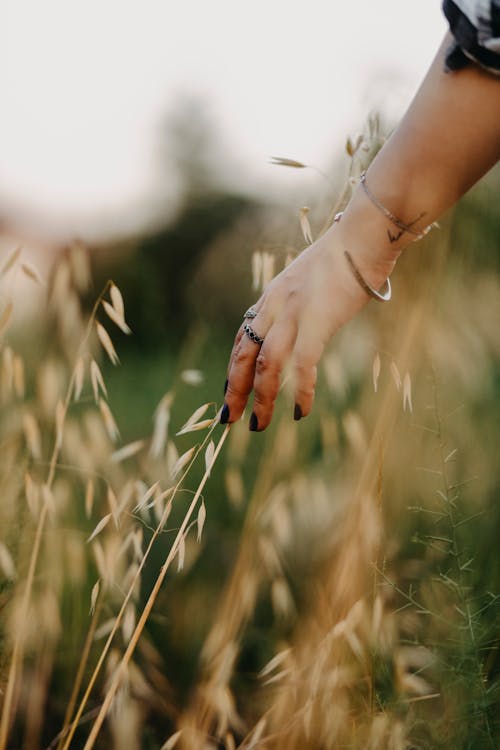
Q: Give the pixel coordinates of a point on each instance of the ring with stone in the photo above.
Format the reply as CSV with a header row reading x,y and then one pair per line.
x,y
252,335
250,313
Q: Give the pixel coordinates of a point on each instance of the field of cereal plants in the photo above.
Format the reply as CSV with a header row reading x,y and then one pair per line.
x,y
167,582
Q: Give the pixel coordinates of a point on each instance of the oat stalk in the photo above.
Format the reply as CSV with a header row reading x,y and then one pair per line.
x,y
18,648
120,669
128,595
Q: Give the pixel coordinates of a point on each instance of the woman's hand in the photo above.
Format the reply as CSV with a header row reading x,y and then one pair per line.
x,y
298,313
417,176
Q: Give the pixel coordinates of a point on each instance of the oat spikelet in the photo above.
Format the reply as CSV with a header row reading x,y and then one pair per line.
x,y
376,371
100,560
172,741
79,376
48,498
7,563
209,456
181,554
275,662
355,431
109,422
113,504
105,340
305,226
89,497
195,416
256,270
100,526
93,596
128,623
32,435
18,373
192,377
117,300
31,491
161,422
281,598
256,735
198,426
161,515
200,521
8,367
127,451
407,392
171,456
11,260
137,544
6,316
97,380
116,317
182,461
279,161
60,417
104,629
146,496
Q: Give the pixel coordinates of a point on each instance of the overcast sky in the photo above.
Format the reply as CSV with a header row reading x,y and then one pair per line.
x,y
84,86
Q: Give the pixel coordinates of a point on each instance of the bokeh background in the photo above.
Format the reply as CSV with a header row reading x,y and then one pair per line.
x,y
360,545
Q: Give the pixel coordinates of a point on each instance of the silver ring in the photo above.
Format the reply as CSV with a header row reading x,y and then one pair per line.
x,y
252,335
250,313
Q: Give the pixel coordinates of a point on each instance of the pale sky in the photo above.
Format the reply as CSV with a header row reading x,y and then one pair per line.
x,y
85,84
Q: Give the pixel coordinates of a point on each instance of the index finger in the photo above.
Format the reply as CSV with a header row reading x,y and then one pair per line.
x,y
242,369
254,310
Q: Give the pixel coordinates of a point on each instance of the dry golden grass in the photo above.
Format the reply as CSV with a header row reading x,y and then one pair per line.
x,y
354,657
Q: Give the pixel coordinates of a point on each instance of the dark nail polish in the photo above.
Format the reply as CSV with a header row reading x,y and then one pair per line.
x,y
225,386
224,415
297,413
254,424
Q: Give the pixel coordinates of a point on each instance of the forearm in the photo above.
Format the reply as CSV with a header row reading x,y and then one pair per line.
x,y
448,138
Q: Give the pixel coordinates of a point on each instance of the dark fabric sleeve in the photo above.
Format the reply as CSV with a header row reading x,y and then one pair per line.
x,y
475,27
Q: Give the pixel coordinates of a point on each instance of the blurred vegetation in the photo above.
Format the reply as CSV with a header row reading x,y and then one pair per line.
x,y
361,544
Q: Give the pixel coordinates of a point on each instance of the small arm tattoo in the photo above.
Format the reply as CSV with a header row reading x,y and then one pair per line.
x,y
396,237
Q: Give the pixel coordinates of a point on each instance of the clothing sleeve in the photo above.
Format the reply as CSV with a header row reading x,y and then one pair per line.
x,y
475,26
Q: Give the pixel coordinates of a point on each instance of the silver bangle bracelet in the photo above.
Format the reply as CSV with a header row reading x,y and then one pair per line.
x,y
382,296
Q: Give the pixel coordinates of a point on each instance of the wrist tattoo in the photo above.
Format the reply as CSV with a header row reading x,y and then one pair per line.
x,y
406,228
401,225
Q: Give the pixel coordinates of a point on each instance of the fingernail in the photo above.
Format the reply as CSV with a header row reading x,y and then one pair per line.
x,y
225,386
297,413
224,415
254,424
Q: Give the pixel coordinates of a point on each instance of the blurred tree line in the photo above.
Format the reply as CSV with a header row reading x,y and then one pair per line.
x,y
197,267
175,272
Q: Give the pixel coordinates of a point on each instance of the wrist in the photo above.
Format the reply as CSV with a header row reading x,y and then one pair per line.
x,y
363,233
373,235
